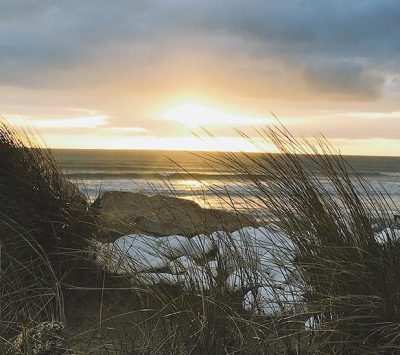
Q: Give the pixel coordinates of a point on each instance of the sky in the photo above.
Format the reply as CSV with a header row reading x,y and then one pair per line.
x,y
157,74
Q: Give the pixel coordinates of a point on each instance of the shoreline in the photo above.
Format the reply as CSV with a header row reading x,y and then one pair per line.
x,y
124,212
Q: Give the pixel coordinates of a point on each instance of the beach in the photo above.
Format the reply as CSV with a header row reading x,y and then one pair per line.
x,y
200,177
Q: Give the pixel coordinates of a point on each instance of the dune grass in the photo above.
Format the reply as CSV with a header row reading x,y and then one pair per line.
x,y
349,282
329,212
45,223
36,196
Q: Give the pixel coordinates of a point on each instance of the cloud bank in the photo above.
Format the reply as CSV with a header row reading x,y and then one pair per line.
x,y
119,57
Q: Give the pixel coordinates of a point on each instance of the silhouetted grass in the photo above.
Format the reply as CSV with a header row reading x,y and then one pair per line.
x,y
349,282
36,196
353,283
45,223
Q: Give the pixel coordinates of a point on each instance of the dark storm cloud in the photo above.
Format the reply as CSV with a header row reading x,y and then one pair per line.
x,y
339,46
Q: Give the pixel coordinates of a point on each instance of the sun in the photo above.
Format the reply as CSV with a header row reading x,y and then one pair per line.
x,y
196,114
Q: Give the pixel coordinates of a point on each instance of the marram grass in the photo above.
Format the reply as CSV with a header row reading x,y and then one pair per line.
x,y
350,283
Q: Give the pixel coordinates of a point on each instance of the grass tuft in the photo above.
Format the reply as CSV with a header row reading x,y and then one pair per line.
x,y
331,213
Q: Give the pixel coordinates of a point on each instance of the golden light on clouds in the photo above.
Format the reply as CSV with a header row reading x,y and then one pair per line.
x,y
193,114
189,143
91,121
158,76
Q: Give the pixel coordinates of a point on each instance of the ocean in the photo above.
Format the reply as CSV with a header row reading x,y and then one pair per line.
x,y
191,176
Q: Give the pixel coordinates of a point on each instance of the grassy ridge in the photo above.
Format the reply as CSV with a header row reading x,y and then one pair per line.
x,y
45,223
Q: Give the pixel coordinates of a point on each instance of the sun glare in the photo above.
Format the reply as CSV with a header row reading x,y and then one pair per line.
x,y
194,114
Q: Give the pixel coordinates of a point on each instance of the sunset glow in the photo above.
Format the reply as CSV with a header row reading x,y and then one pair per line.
x,y
193,114
200,177
190,143
156,79
74,122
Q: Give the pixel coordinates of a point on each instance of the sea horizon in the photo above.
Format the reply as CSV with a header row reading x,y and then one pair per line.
x,y
206,151
201,177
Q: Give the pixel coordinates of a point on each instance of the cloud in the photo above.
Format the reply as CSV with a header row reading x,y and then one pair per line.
x,y
58,123
350,125
126,130
191,114
120,57
344,78
374,115
42,43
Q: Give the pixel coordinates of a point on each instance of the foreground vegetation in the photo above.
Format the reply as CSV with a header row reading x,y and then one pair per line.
x,y
349,281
